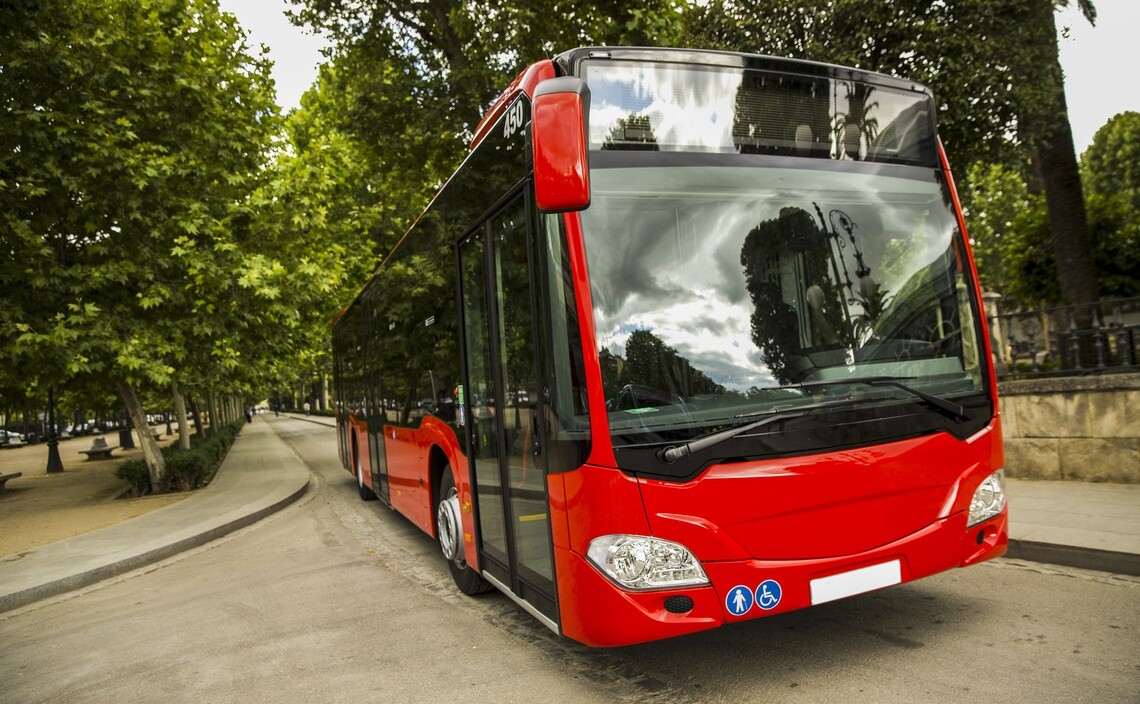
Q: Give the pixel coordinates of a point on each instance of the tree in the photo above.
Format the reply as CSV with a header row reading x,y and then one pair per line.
x,y
417,77
1030,268
1111,164
133,130
992,197
1044,127
390,118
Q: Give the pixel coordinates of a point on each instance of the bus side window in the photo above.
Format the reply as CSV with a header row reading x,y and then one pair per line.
x,y
425,396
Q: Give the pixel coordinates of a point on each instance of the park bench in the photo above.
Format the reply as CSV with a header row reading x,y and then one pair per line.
x,y
100,450
10,475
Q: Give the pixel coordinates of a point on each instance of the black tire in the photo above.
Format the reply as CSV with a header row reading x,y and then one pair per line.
x,y
366,494
468,580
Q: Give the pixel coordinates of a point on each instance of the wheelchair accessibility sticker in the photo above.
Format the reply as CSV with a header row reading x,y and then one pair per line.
x,y
768,594
739,600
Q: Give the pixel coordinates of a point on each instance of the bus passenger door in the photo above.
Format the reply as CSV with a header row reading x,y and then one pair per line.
x,y
502,416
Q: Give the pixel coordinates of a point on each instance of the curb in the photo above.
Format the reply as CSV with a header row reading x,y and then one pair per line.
x,y
1070,556
253,482
63,585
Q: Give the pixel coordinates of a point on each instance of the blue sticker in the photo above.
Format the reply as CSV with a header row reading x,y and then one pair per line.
x,y
768,594
739,600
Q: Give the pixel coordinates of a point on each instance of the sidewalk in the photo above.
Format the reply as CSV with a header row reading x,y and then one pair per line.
x,y
1078,524
1093,526
260,475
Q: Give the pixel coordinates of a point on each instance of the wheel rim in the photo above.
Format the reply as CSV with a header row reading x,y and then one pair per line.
x,y
449,527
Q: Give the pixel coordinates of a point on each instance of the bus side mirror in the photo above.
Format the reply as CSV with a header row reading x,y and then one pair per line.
x,y
559,139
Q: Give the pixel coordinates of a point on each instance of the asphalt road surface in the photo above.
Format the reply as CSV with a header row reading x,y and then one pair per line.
x,y
337,600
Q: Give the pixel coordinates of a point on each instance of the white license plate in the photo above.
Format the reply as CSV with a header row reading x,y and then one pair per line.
x,y
866,579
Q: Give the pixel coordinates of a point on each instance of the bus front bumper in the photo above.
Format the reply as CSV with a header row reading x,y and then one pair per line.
x,y
596,612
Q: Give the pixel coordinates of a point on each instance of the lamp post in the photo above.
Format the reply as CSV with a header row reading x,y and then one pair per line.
x,y
54,463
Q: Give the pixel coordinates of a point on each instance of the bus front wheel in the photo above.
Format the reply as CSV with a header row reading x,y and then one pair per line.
x,y
449,527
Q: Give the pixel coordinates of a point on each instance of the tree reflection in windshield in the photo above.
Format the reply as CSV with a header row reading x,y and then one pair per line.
x,y
780,328
713,285
651,374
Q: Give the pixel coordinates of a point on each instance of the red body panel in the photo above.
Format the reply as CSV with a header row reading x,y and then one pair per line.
x,y
985,339
407,476
525,82
815,506
408,452
358,449
790,520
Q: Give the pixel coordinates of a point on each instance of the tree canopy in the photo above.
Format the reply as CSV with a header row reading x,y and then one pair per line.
x,y
136,133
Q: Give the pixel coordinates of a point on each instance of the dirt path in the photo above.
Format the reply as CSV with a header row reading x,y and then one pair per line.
x,y
40,508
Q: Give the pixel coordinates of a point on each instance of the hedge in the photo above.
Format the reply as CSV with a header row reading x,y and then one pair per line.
x,y
185,469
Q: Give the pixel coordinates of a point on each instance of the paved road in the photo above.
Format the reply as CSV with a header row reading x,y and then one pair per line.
x,y
337,600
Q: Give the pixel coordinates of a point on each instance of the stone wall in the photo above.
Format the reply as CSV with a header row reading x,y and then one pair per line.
x,y
1077,428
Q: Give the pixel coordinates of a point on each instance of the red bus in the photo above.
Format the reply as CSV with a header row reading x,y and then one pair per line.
x,y
689,338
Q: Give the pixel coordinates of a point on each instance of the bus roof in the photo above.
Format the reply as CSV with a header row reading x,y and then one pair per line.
x,y
568,64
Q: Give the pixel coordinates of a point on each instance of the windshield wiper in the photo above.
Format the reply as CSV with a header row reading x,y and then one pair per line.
x,y
950,408
673,453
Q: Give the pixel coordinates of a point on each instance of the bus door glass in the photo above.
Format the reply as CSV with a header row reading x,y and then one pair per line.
x,y
376,414
502,409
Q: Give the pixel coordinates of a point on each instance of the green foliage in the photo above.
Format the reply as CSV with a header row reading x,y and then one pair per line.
x,y
134,132
1010,229
410,81
1031,269
186,470
992,198
1111,164
389,119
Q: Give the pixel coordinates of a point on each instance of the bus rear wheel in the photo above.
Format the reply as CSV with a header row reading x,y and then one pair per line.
x,y
366,494
449,527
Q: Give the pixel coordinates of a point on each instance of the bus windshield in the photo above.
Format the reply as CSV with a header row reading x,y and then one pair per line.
x,y
722,292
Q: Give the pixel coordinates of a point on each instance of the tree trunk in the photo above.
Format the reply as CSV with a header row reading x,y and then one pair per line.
x,y
212,406
1068,223
155,463
197,417
1051,137
180,412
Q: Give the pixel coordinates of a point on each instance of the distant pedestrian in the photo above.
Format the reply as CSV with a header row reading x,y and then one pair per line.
x,y
307,407
248,415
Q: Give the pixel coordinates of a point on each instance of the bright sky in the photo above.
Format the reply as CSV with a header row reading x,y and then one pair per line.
x,y
296,53
1099,62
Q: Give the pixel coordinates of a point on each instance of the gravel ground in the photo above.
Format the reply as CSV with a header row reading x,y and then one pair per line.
x,y
40,508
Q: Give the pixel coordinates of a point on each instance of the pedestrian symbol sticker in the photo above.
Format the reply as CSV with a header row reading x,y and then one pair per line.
x,y
739,600
768,594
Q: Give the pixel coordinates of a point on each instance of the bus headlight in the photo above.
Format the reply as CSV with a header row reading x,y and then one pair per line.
x,y
639,562
989,499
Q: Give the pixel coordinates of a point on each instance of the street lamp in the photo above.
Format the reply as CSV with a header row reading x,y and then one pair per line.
x,y
54,463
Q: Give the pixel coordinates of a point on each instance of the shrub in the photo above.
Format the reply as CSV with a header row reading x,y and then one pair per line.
x,y
136,474
185,469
